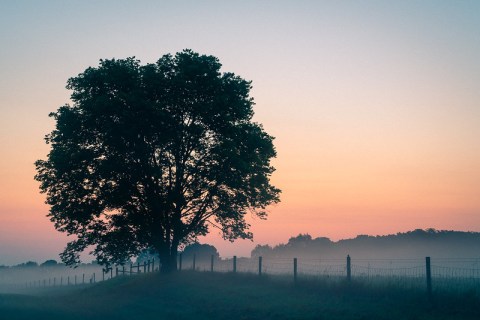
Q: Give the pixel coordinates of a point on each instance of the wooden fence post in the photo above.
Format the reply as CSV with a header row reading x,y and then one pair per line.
x,y
131,269
138,267
295,270
153,265
180,262
83,278
111,272
194,258
123,270
148,265
234,264
116,271
94,280
211,263
75,279
144,266
429,276
259,266
349,269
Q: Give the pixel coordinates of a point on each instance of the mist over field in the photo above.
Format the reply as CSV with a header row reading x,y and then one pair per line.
x,y
205,295
19,278
453,253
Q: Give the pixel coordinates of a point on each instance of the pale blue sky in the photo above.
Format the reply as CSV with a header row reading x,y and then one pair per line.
x,y
356,93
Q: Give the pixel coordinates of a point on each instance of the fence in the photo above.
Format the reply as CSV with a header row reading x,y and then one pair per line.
x,y
90,278
428,274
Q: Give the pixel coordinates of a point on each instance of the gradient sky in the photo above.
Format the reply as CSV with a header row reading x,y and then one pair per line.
x,y
375,105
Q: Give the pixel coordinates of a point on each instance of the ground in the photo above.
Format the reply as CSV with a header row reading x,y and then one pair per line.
x,y
203,295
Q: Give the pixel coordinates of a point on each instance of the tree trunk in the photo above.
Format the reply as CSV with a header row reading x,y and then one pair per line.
x,y
168,262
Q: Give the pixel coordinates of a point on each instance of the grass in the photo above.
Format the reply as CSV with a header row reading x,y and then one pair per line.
x,y
196,295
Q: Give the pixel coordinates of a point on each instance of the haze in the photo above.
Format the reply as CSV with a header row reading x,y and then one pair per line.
x,y
374,105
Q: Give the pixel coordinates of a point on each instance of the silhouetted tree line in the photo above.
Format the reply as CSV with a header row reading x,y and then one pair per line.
x,y
411,244
201,251
47,263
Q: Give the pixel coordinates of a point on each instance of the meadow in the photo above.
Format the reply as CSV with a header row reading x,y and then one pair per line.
x,y
205,295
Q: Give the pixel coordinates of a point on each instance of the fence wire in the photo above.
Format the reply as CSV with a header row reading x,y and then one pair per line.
x,y
445,274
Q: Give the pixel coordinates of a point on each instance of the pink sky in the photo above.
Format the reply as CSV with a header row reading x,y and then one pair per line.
x,y
375,107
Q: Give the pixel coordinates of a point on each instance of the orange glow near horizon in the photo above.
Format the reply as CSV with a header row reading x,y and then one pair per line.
x,y
374,110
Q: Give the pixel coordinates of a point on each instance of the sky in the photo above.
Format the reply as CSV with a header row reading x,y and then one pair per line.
x,y
375,105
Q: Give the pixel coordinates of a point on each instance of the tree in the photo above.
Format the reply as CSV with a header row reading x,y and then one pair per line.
x,y
146,255
151,156
261,251
49,263
28,264
202,252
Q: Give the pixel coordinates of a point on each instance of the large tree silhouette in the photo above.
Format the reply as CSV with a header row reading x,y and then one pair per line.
x,y
151,156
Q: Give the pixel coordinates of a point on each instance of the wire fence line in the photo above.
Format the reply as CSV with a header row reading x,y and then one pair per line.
x,y
13,279
430,274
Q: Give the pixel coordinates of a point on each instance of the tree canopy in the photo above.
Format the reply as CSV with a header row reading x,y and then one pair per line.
x,y
151,156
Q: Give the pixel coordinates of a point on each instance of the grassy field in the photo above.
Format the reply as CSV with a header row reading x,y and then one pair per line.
x,y
190,295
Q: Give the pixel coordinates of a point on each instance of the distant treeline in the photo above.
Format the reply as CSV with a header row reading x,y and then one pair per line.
x,y
413,244
409,245
201,251
48,263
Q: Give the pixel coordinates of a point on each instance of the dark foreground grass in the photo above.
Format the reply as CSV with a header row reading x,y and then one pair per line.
x,y
189,295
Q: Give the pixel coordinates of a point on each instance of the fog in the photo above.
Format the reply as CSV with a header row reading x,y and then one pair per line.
x,y
402,253
379,270
19,278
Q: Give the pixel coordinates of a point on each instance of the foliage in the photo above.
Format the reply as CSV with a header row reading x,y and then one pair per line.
x,y
49,263
147,254
28,264
412,244
151,156
201,251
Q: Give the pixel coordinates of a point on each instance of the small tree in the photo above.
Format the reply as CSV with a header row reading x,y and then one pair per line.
x,y
49,263
201,251
151,156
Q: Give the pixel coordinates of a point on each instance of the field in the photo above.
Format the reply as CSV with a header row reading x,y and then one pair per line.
x,y
203,295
